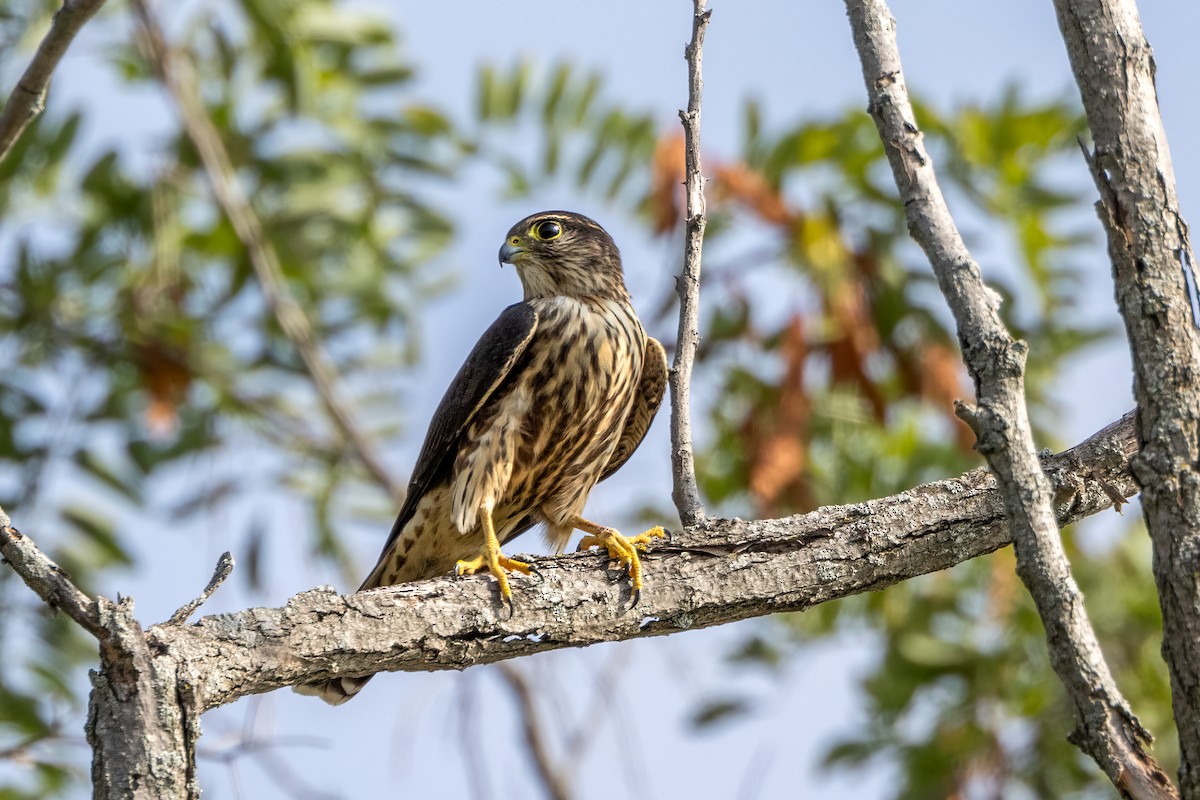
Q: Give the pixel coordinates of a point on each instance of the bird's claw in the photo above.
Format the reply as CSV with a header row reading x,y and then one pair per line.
x,y
624,550
498,565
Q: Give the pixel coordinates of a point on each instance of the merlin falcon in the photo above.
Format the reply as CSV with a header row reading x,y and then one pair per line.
x,y
554,398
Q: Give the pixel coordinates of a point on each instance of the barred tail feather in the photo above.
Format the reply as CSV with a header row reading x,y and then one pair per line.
x,y
334,691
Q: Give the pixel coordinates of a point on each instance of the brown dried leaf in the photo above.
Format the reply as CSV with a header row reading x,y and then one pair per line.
x,y
779,453
666,183
855,339
739,183
166,377
941,377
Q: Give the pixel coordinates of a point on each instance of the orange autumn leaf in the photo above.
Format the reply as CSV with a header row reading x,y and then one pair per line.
x,y
941,383
166,378
666,182
739,183
855,340
779,454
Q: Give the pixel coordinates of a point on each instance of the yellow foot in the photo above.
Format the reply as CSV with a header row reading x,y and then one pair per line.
x,y
624,550
498,564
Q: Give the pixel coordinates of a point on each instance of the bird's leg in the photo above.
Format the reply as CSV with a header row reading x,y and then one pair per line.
x,y
491,559
624,549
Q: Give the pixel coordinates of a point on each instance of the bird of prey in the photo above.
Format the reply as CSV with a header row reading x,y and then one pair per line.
x,y
555,397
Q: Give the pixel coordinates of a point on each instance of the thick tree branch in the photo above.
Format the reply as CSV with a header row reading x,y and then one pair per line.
x,y
177,76
720,572
1153,268
1106,728
28,98
683,465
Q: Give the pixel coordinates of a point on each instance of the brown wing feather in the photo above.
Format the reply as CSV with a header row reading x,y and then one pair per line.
x,y
484,370
651,387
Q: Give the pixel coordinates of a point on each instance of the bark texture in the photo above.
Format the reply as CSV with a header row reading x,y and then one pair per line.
x,y
1156,293
1106,728
723,571
142,719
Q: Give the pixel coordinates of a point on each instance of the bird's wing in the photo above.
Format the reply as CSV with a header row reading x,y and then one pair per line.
x,y
485,369
649,396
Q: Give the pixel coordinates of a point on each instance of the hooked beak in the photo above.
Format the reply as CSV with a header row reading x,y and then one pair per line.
x,y
509,251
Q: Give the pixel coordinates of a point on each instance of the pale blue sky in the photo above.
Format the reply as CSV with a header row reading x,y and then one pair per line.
x,y
798,59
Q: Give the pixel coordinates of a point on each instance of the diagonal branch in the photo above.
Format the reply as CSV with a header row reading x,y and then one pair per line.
x,y
683,465
1106,728
28,98
1154,273
48,580
723,571
177,76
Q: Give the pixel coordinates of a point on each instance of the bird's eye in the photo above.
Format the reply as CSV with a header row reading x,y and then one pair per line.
x,y
545,231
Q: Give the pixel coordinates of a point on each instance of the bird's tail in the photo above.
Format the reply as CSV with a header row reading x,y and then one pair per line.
x,y
334,691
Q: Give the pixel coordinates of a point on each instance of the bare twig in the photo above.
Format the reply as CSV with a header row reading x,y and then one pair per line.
x,y
604,694
536,740
686,493
726,571
223,569
469,741
1154,272
47,579
177,76
28,97
1106,728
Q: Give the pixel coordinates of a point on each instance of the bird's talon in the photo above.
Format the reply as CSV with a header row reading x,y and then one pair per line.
x,y
643,540
498,566
624,550
469,566
512,565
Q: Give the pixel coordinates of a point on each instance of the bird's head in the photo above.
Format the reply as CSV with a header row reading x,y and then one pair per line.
x,y
561,253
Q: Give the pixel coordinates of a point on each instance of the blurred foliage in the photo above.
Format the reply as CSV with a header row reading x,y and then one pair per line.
x,y
835,366
137,346
140,349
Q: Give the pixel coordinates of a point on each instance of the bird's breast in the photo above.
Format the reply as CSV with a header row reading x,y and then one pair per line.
x,y
580,382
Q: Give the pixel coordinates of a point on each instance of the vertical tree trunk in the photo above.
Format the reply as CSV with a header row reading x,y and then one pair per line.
x,y
141,726
1156,293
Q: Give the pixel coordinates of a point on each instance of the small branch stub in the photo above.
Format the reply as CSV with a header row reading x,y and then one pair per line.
x,y
223,569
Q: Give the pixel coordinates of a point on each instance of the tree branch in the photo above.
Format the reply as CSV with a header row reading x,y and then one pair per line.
x,y
176,75
720,572
553,780
1106,728
683,467
1154,272
28,97
220,573
48,580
